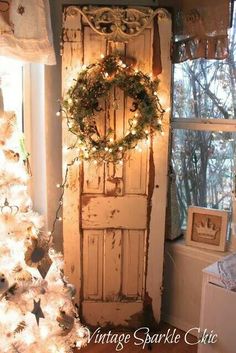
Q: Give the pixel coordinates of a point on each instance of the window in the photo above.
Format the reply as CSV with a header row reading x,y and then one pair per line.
x,y
204,131
11,83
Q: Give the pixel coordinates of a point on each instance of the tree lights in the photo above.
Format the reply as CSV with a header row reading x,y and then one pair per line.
x,y
36,309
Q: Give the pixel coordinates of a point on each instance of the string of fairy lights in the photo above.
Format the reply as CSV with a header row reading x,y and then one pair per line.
x,y
82,105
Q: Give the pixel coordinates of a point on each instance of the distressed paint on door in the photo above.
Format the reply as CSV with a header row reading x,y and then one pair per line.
x,y
109,225
119,210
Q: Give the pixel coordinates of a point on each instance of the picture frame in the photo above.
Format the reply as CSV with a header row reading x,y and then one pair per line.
x,y
207,228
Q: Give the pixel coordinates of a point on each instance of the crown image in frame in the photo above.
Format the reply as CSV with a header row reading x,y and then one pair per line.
x,y
207,229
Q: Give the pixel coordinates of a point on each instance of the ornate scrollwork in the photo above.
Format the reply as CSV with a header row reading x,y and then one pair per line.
x,y
116,23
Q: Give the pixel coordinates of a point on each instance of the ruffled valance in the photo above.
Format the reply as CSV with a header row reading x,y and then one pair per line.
x,y
200,29
25,31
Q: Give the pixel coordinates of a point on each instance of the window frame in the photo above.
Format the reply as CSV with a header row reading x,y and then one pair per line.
x,y
210,125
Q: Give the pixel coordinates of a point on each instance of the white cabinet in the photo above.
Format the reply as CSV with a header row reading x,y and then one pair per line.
x,y
218,312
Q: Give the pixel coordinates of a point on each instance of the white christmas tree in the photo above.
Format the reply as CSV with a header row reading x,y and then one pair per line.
x,y
37,314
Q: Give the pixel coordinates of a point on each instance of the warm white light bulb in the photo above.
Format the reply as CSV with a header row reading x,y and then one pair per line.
x,y
28,338
44,332
138,148
56,349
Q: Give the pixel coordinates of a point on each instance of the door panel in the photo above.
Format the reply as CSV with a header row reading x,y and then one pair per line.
x,y
125,212
93,263
134,254
112,265
135,172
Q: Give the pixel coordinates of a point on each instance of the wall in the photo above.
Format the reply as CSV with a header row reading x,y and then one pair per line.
x,y
183,282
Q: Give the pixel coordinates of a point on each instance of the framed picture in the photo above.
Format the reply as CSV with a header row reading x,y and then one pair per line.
x,y
207,228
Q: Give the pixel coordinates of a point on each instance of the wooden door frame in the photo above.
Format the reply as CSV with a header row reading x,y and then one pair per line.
x,y
159,179
72,234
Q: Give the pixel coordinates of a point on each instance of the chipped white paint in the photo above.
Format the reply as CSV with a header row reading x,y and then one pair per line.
x,y
134,253
93,263
126,212
113,313
106,207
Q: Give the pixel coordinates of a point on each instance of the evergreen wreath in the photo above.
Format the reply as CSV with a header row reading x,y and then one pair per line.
x,y
83,101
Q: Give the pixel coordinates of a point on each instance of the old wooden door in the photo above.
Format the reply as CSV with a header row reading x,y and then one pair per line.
x,y
114,216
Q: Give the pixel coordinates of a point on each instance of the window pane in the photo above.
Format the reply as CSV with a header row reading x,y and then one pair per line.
x,y
206,88
11,83
204,166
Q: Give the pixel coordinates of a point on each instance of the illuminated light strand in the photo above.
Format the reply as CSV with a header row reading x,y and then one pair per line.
x,y
60,201
137,124
86,152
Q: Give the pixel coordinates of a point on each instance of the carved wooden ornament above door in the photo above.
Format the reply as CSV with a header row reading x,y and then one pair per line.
x,y
114,215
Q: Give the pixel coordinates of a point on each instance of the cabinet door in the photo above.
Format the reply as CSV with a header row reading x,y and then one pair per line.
x,y
219,314
109,220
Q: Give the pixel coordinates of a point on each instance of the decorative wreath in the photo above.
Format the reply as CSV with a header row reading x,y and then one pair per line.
x,y
84,99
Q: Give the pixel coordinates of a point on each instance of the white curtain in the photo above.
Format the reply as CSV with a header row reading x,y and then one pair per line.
x,y
25,31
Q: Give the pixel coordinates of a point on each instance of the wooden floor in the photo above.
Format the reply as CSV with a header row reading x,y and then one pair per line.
x,y
130,347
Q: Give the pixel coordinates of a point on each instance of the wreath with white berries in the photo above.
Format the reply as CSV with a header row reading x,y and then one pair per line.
x,y
83,102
